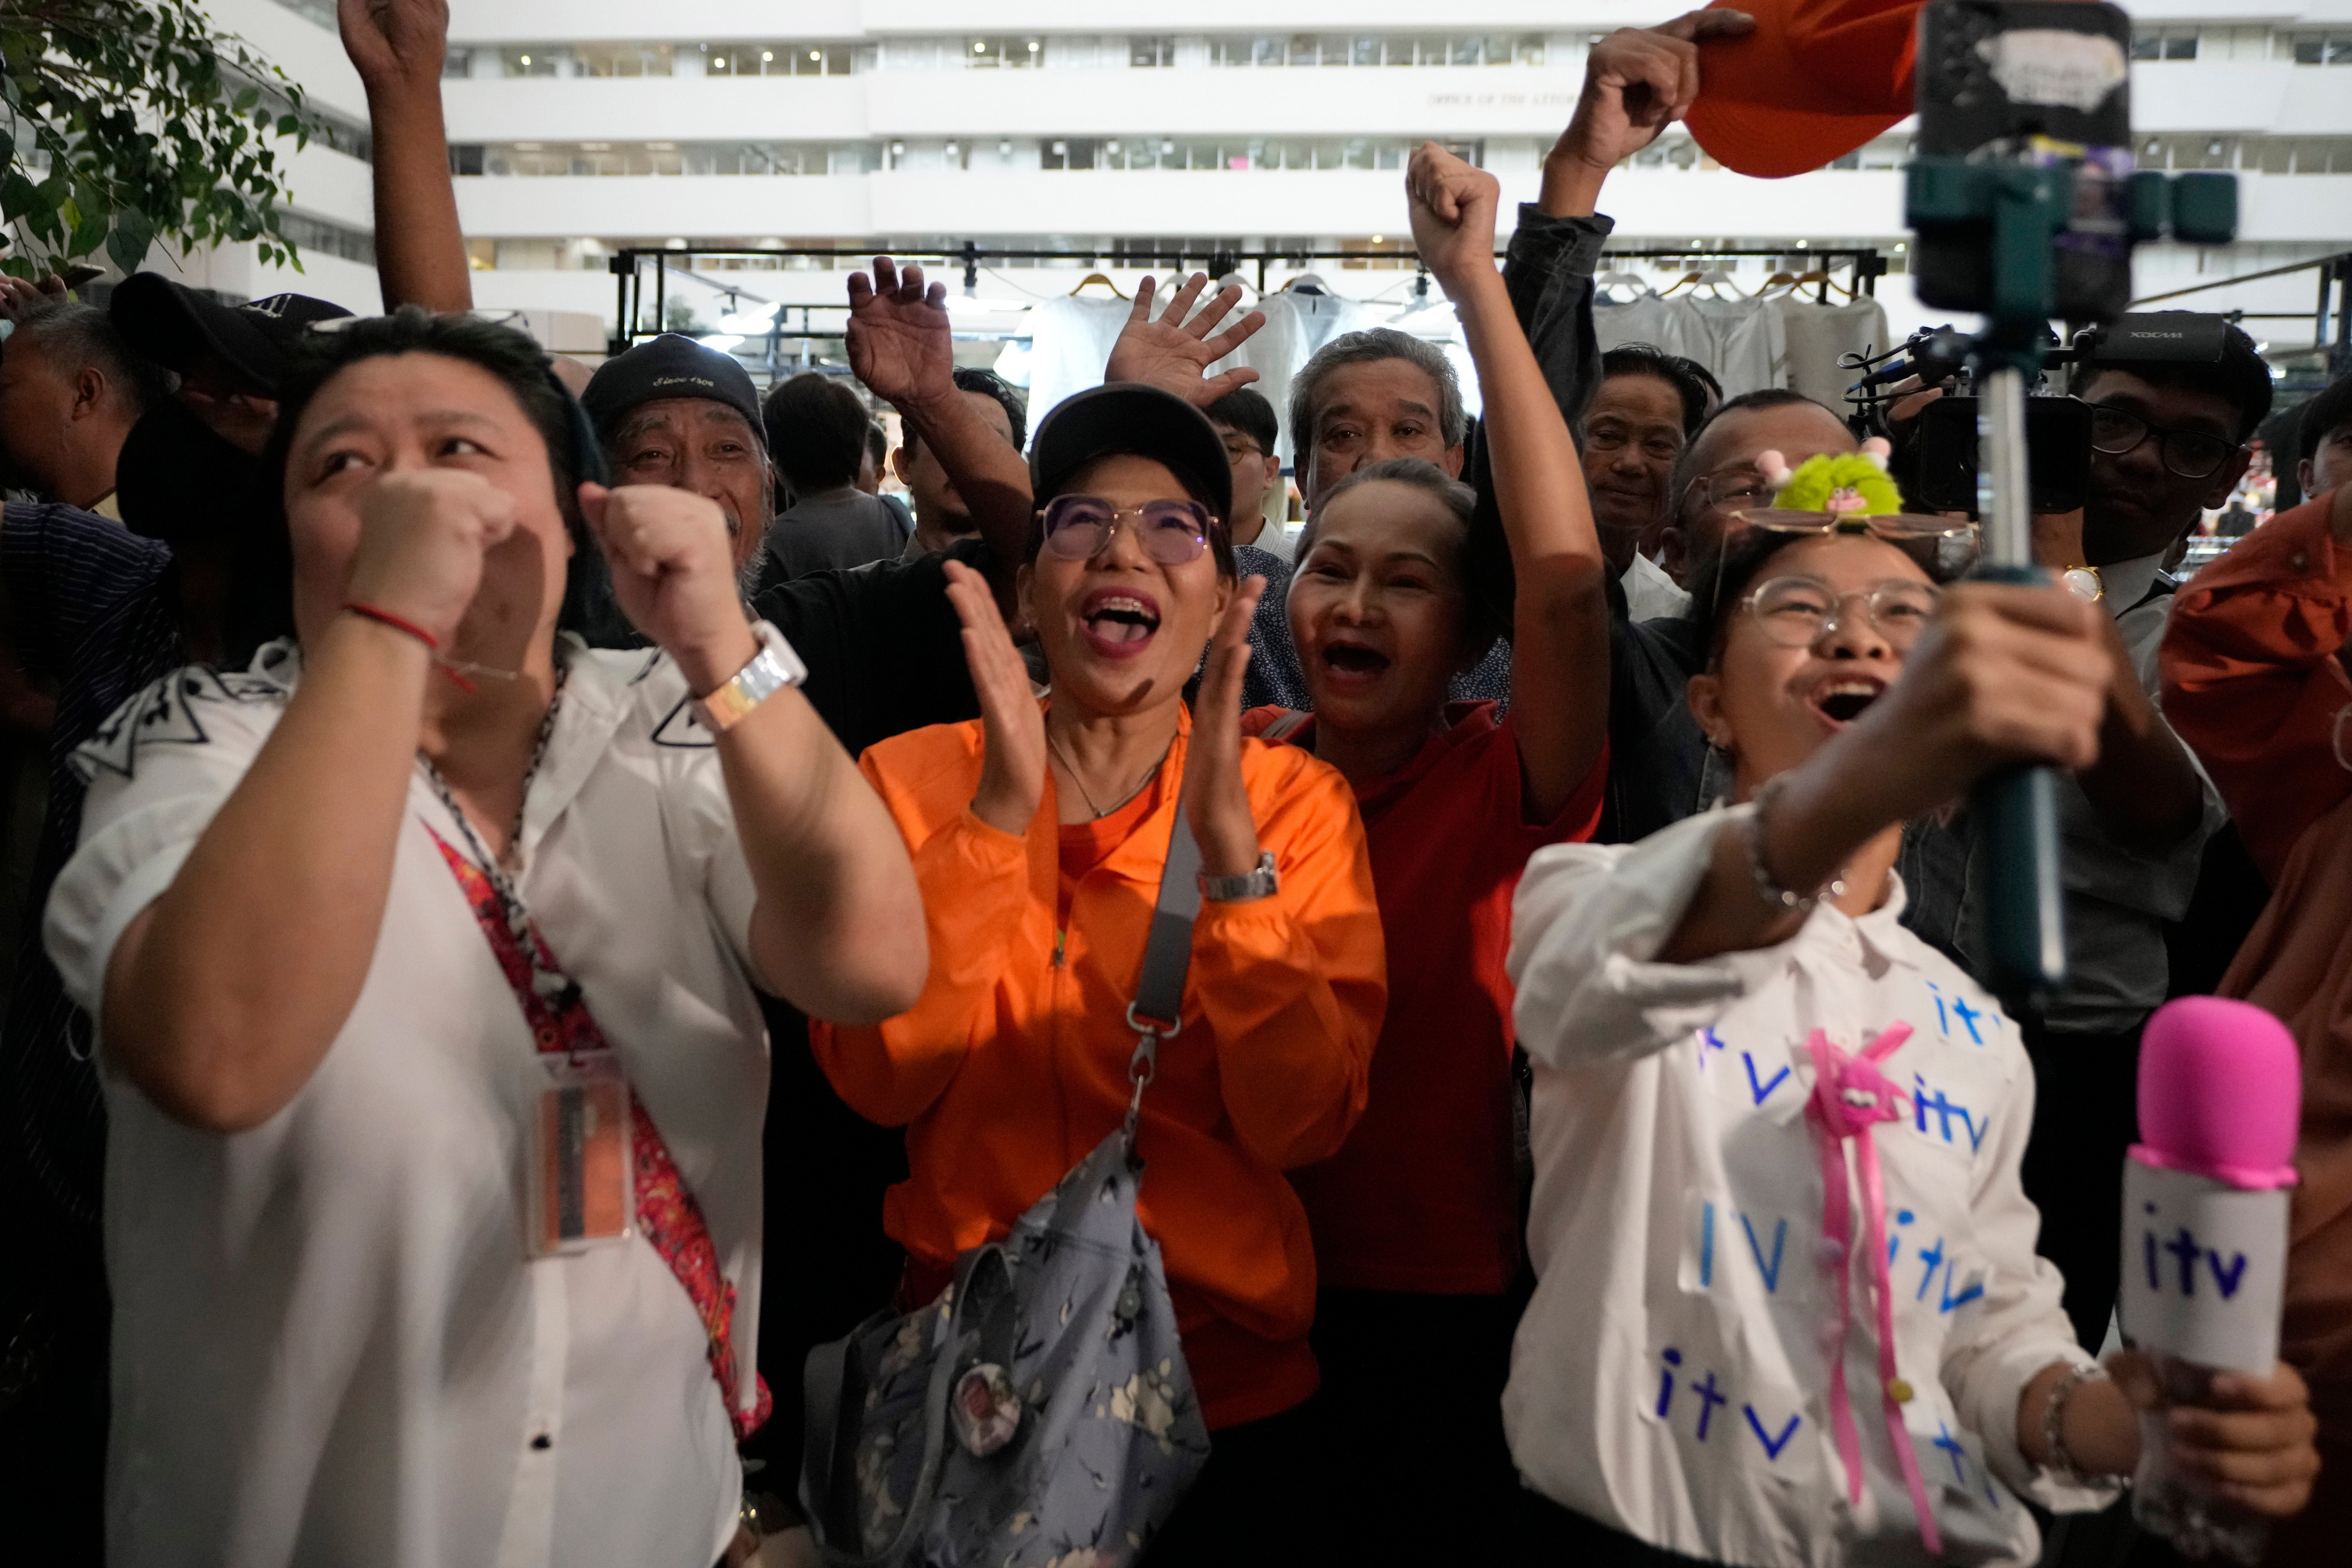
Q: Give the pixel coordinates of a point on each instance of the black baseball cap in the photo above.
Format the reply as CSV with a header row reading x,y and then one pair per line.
x,y
1130,420
667,366
175,326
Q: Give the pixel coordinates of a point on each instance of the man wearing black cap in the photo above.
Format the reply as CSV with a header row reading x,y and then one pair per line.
x,y
671,412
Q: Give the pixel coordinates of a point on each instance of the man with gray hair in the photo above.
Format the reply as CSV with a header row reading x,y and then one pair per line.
x,y
69,393
1363,398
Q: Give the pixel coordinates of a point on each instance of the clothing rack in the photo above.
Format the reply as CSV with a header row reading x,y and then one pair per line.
x,y
1868,265
627,269
2335,280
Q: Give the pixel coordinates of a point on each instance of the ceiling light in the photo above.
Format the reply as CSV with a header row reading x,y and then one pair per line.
x,y
1379,239
979,46
723,342
526,59
766,54
1004,148
1111,147
816,55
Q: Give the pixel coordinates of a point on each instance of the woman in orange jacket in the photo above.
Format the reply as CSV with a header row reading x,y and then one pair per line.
x,y
1038,841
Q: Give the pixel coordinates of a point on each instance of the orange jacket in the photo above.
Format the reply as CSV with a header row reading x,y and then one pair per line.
x,y
1013,1064
2252,679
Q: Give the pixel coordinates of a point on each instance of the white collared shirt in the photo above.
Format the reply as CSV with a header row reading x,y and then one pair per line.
x,y
329,1342
1669,1378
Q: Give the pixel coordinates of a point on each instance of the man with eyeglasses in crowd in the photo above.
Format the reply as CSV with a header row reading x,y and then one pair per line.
x,y
2169,444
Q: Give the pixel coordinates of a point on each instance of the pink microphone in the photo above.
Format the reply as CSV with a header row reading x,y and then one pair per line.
x,y
2205,1229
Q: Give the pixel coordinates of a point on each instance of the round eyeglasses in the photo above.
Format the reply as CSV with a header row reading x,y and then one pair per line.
x,y
1798,612
1079,528
2191,454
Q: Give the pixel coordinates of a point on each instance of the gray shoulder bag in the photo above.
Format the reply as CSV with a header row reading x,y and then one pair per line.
x,y
1040,1406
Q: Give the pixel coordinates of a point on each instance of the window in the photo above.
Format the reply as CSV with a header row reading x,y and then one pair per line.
x,y
1069,153
2164,43
624,59
529,60
1153,52
1005,52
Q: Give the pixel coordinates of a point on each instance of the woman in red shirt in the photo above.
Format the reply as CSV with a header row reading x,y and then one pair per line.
x,y
1416,1219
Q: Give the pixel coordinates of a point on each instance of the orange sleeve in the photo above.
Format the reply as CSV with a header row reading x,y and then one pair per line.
x,y
2252,681
1294,986
974,881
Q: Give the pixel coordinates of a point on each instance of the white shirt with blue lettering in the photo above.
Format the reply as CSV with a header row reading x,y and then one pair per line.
x,y
1669,1378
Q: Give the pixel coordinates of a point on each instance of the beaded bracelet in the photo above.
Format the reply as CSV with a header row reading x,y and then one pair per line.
x,y
1768,886
2060,1462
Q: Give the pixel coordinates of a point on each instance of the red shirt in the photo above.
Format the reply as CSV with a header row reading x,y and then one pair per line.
x,y
1424,1197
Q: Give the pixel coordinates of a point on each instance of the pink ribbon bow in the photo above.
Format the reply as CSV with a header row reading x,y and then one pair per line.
x,y
1850,1097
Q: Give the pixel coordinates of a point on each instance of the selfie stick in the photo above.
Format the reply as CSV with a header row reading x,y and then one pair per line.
x,y
2021,206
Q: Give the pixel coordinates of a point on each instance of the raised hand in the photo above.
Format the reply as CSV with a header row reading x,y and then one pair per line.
x,y
1175,353
900,343
1451,205
674,575
18,296
1637,82
1214,792
423,533
394,43
1012,776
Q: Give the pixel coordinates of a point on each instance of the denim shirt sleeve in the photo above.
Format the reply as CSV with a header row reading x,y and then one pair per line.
x,y
1548,270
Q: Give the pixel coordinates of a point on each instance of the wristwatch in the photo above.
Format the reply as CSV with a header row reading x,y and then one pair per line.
x,y
1260,883
772,669
2084,583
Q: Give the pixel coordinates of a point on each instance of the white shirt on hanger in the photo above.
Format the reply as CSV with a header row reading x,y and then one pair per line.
x,y
1751,354
1671,324
1070,347
329,1342
1669,1378
1817,334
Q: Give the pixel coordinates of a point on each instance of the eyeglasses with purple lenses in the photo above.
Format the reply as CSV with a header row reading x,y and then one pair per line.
x,y
1079,528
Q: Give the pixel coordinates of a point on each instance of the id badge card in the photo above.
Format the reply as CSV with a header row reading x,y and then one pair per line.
x,y
583,1189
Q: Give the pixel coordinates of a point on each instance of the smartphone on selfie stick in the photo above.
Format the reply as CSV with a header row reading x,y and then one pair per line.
x,y
2025,206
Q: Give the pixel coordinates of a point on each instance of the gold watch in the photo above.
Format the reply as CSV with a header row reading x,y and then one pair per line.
x,y
2084,583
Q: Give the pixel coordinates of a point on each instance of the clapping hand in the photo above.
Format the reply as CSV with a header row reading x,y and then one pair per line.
x,y
1175,353
900,339
1214,792
1452,207
1012,776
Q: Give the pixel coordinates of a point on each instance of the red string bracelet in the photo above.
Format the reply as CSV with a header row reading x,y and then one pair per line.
x,y
398,623
403,624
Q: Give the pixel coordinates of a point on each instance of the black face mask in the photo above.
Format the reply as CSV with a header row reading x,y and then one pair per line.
x,y
178,481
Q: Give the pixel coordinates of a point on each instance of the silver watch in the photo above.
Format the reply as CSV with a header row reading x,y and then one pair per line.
x,y
1259,883
772,669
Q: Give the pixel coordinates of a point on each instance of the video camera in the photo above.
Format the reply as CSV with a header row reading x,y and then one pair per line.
x,y
1935,457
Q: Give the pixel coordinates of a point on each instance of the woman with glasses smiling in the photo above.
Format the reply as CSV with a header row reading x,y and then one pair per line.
x,y
1789,1310
1039,839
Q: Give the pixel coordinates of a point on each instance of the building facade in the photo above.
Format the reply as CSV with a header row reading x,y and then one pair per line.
x,y
583,130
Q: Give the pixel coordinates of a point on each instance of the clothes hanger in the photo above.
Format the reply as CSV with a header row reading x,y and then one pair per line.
x,y
1685,280
1095,278
1637,285
1719,286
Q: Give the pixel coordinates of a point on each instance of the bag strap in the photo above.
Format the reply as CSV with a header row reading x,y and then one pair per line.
x,y
1157,1012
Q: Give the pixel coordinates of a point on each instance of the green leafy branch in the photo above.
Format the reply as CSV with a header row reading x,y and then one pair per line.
x,y
126,121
